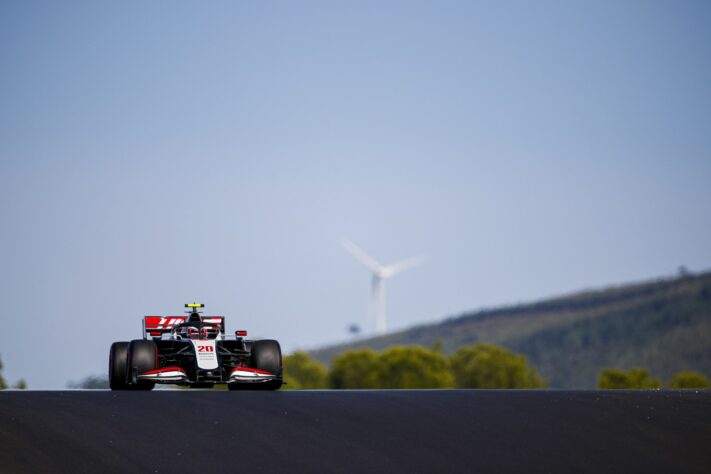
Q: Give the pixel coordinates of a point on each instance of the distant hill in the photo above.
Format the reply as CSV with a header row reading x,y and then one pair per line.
x,y
663,325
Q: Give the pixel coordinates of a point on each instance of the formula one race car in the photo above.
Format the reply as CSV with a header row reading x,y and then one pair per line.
x,y
194,350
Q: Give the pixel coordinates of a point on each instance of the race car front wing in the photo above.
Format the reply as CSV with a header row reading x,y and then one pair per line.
x,y
178,375
165,375
246,374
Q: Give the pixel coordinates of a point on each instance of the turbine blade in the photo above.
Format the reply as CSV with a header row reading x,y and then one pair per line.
x,y
360,255
402,265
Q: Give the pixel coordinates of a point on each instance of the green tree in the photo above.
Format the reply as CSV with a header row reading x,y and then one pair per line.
x,y
613,379
20,385
689,379
413,367
640,378
303,372
91,382
486,365
355,369
3,385
633,379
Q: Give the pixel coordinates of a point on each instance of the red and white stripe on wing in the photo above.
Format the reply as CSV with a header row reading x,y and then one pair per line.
x,y
165,374
163,322
247,374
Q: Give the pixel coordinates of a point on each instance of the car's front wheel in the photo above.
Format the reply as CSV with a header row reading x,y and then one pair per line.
x,y
266,356
118,364
142,357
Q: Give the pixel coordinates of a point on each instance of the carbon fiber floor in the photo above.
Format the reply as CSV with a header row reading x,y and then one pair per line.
x,y
355,431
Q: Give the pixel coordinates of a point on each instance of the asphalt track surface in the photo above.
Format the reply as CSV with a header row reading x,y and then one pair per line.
x,y
355,431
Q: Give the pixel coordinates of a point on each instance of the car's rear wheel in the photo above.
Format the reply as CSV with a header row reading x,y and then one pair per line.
x,y
118,364
142,357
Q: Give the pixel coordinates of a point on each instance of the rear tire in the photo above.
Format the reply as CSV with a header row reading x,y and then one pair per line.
x,y
142,357
118,364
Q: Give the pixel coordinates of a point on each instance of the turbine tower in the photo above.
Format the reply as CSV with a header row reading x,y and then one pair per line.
x,y
381,273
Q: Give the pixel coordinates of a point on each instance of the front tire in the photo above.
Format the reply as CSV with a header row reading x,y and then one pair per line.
x,y
142,357
118,364
266,356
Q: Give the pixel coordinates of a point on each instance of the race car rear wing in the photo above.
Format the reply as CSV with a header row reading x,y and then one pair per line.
x,y
155,326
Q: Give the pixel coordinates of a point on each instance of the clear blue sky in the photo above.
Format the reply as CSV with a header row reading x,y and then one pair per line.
x,y
154,153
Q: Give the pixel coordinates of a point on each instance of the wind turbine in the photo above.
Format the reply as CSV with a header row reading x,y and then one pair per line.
x,y
380,274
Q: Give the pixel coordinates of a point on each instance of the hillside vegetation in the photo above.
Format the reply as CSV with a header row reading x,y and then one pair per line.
x,y
662,325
